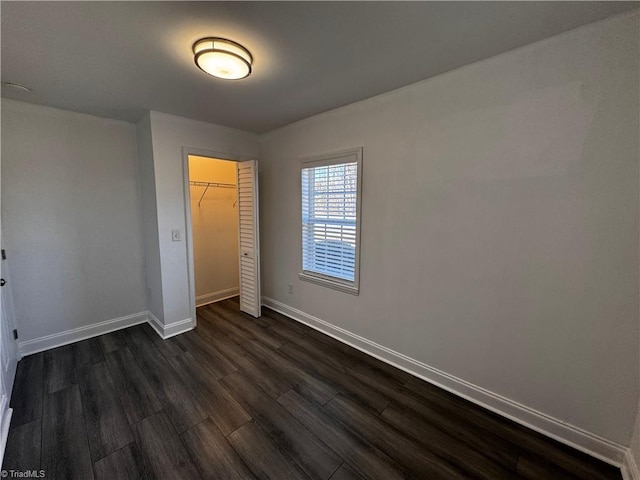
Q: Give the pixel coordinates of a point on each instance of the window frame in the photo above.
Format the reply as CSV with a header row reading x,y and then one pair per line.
x,y
352,155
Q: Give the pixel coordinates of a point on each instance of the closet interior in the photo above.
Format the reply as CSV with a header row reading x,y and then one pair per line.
x,y
214,223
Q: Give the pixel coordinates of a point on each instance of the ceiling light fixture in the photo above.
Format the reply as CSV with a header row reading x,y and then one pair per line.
x,y
16,86
222,58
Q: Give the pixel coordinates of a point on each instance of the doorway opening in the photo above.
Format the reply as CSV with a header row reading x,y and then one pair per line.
x,y
214,229
221,200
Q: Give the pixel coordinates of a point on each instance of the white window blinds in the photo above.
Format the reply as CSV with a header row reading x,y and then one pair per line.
x,y
330,206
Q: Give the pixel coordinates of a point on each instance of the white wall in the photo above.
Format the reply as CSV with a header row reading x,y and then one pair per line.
x,y
630,469
499,224
214,225
169,135
153,275
71,218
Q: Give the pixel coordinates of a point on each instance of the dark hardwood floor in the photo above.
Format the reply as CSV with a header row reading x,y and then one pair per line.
x,y
244,398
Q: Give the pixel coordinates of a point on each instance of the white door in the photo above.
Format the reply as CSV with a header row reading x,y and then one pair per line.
x,y
249,241
8,359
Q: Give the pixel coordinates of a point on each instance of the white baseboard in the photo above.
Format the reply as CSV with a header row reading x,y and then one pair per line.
x,y
216,296
630,469
82,333
171,329
594,445
70,336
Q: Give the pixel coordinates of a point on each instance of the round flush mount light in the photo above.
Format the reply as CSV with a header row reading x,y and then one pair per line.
x,y
16,86
222,58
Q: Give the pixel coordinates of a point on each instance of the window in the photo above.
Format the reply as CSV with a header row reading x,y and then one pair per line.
x,y
331,187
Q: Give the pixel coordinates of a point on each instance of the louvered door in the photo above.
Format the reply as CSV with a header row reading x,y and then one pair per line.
x,y
249,242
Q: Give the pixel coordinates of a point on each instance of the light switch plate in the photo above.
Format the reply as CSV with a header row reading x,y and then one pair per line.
x,y
176,235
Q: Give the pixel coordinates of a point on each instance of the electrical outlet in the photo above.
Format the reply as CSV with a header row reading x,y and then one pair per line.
x,y
290,287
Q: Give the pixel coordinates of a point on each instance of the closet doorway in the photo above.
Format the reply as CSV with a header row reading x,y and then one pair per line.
x,y
221,199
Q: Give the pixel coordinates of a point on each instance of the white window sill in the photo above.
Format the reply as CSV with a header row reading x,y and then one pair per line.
x,y
336,284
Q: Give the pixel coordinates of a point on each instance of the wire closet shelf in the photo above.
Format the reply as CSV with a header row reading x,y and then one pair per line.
x,y
208,185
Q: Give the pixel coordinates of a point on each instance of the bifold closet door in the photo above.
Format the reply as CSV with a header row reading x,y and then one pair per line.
x,y
249,241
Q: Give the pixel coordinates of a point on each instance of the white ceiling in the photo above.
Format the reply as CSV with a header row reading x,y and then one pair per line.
x,y
120,59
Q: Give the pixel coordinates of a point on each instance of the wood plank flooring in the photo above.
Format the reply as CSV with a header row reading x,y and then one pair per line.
x,y
240,398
